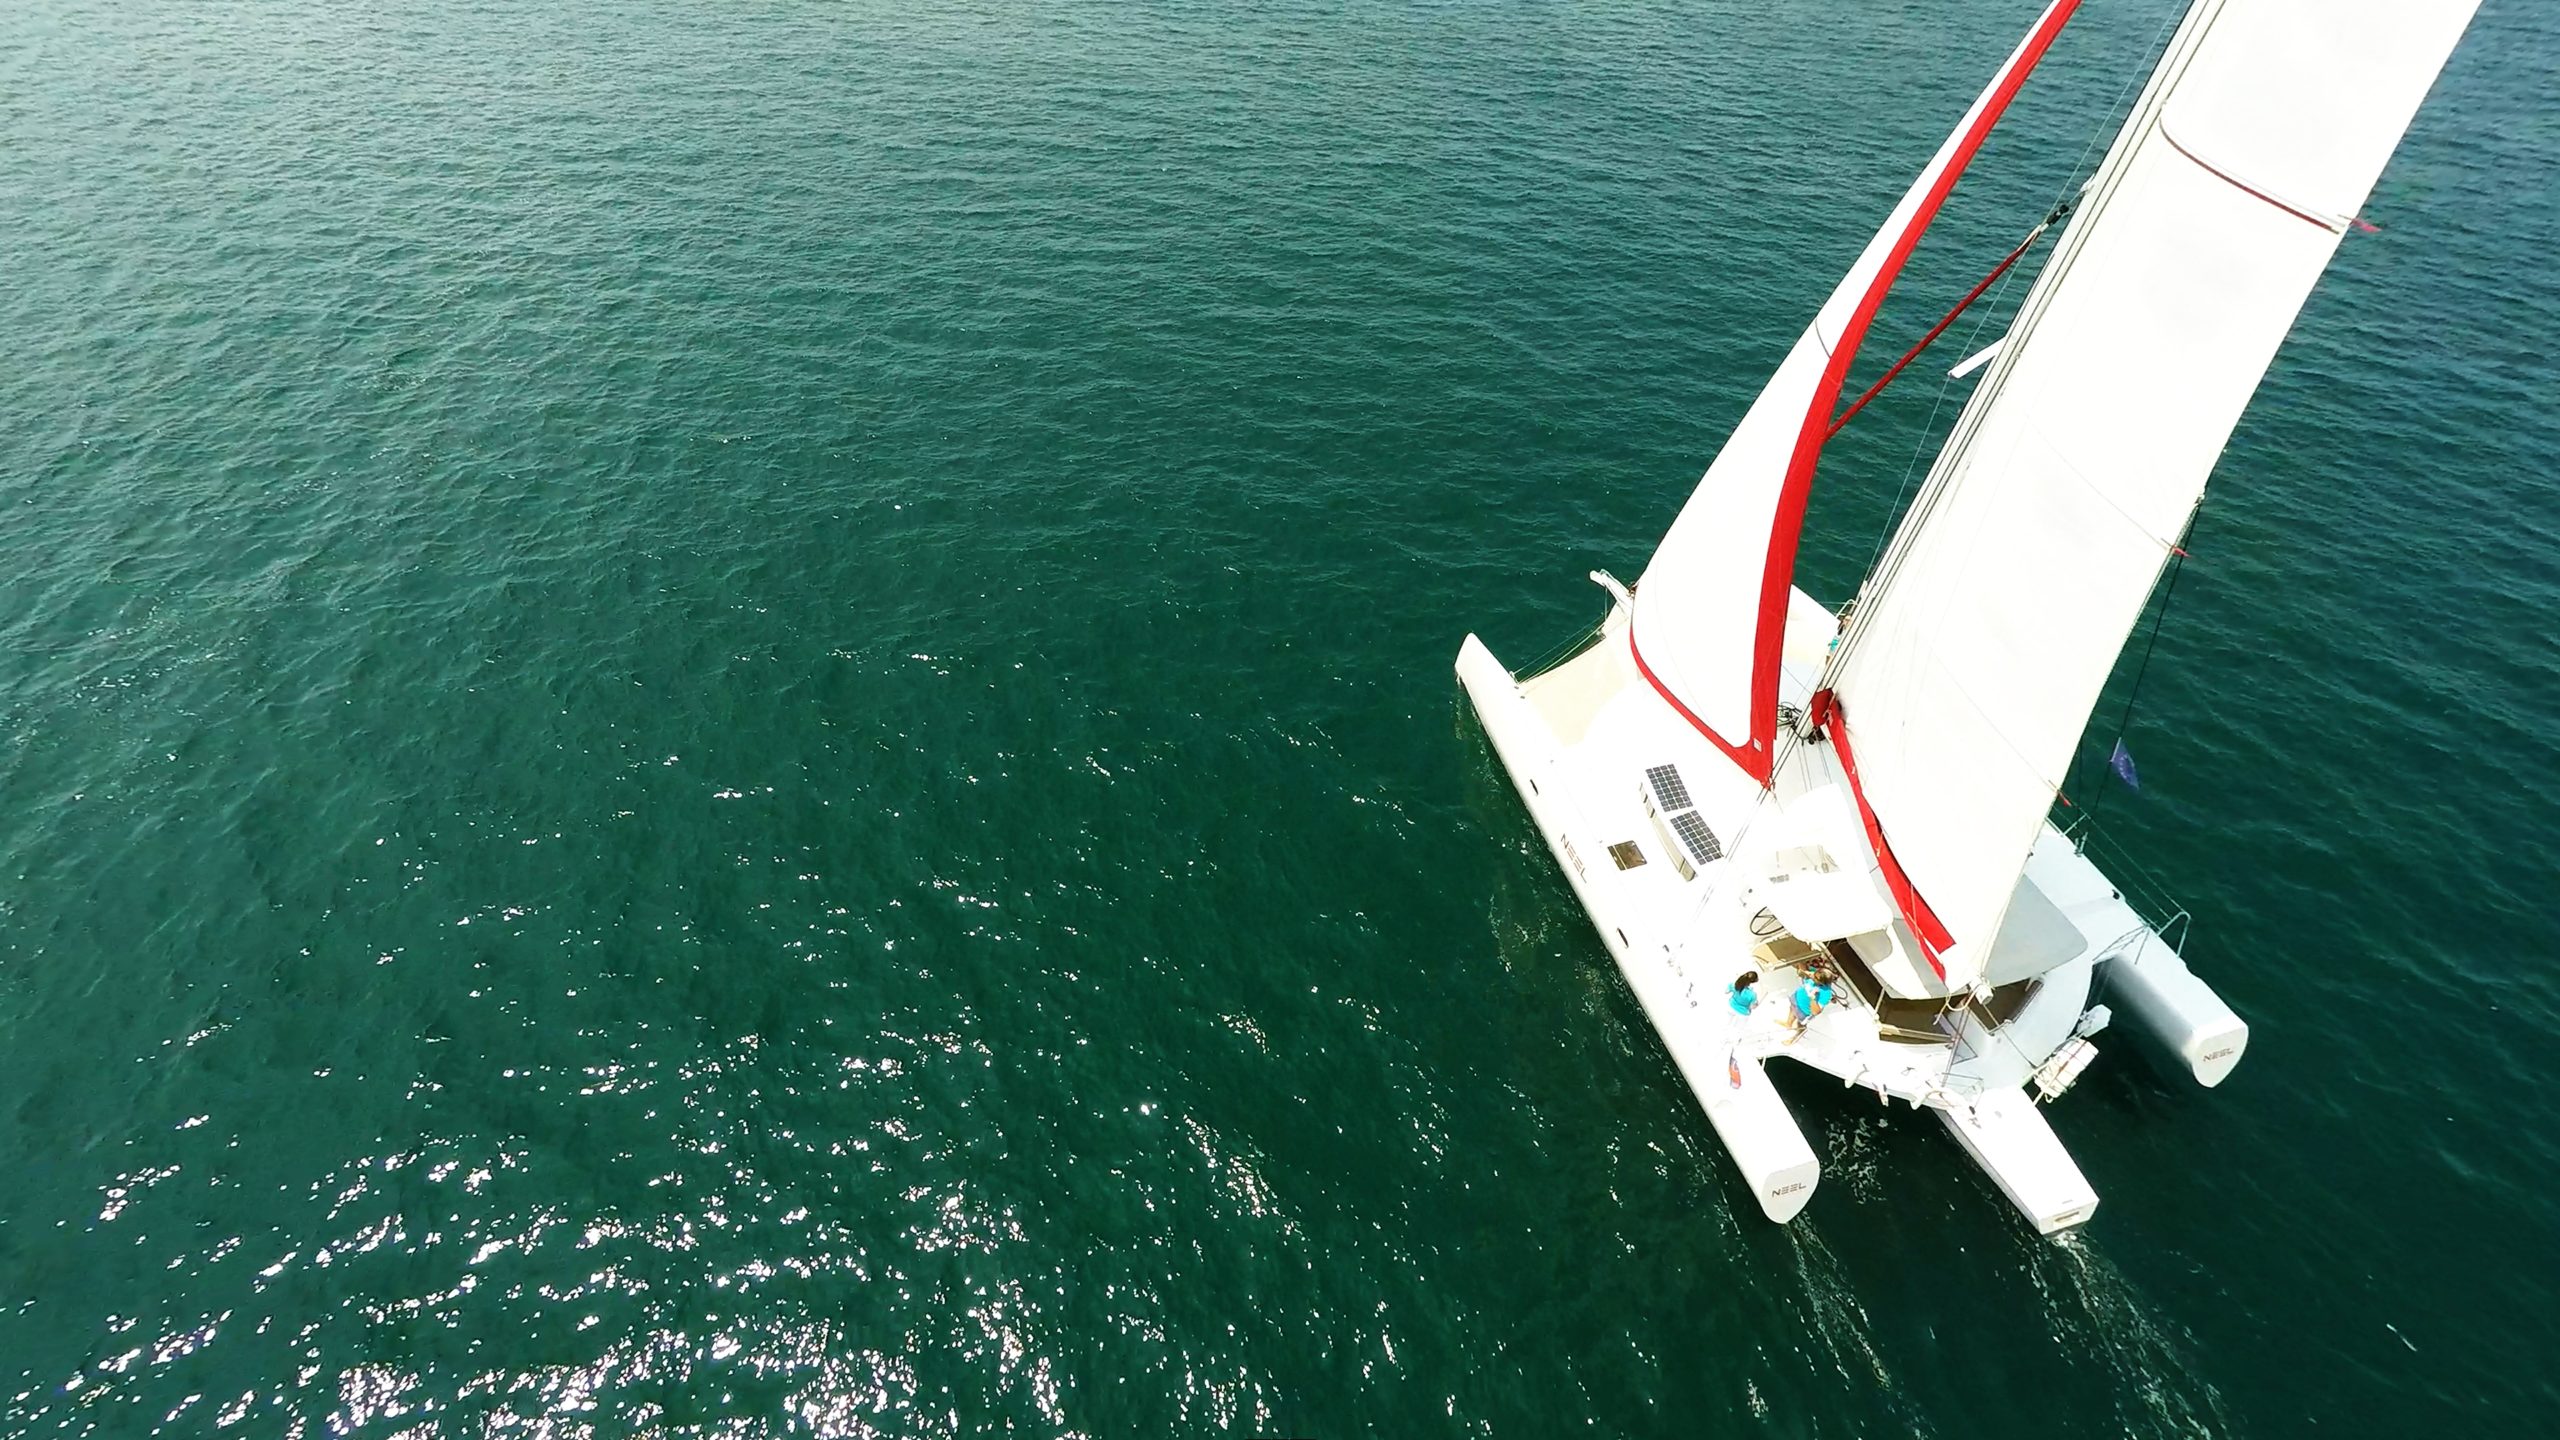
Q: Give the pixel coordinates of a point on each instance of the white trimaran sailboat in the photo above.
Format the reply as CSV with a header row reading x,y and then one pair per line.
x,y
1736,779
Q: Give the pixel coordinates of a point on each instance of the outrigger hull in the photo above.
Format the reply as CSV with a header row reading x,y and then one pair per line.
x,y
1766,1144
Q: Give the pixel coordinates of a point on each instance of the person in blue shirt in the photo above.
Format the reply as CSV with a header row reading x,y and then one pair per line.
x,y
1812,997
1743,996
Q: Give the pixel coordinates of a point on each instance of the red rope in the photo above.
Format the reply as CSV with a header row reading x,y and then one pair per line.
x,y
1936,330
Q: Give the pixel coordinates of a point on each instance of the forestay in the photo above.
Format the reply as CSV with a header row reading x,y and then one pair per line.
x,y
1710,611
1998,611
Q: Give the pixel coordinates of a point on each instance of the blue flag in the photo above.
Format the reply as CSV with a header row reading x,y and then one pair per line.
x,y
2121,762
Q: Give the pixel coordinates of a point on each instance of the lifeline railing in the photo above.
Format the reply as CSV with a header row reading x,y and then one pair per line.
x,y
2141,890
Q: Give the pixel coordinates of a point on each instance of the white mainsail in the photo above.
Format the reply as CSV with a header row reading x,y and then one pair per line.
x,y
1711,606
1983,638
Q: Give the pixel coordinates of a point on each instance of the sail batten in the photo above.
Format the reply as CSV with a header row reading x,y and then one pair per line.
x,y
1981,642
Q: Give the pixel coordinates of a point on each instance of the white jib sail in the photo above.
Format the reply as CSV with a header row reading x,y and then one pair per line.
x,y
2000,608
1711,605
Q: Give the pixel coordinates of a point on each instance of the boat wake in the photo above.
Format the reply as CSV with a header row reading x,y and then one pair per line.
x,y
1854,1157
2096,1311
1839,1324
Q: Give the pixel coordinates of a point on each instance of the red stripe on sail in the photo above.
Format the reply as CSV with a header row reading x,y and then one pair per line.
x,y
1924,922
1757,756
1925,341
1741,756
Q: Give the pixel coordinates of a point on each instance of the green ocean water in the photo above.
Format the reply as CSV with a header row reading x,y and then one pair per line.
x,y
735,718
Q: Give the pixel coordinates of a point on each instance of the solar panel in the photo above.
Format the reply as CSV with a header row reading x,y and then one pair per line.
x,y
1696,838
1668,792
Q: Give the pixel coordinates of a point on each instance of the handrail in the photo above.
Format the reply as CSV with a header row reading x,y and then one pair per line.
x,y
2140,889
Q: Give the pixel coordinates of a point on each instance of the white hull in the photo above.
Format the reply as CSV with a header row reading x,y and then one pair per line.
x,y
1763,1139
1577,741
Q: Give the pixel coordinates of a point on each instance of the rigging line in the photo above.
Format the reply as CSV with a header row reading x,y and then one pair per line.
x,y
2074,182
1985,283
2117,109
2177,564
1928,427
1999,276
1573,645
2190,28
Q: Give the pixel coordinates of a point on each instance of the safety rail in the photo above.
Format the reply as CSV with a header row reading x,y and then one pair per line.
x,y
2141,890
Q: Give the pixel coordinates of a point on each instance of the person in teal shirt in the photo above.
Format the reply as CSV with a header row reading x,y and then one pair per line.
x,y
1742,996
1812,997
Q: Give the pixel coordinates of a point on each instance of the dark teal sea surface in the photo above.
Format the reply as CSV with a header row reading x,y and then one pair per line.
x,y
733,717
